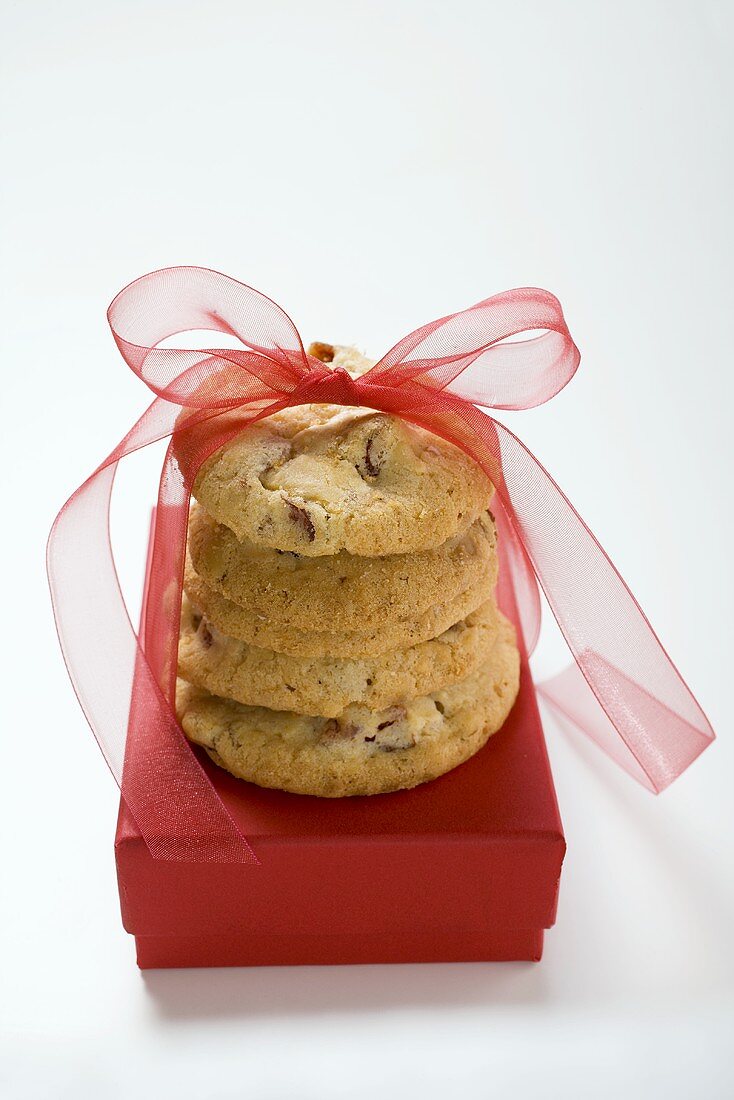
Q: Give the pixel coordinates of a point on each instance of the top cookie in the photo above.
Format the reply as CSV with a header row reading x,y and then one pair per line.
x,y
318,479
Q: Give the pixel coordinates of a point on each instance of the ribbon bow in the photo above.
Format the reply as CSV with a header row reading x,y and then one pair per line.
x,y
623,689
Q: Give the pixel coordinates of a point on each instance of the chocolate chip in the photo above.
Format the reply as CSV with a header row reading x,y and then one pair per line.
x,y
196,621
301,517
395,739
334,730
395,714
371,459
205,636
323,352
371,738
439,706
490,513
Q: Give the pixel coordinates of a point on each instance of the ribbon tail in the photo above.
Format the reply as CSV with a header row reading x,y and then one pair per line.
x,y
116,686
522,575
623,691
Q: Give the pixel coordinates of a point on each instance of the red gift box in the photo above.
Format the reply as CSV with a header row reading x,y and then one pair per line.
x,y
464,868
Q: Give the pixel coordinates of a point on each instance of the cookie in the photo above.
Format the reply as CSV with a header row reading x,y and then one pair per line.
x,y
340,591
266,630
318,479
360,752
325,686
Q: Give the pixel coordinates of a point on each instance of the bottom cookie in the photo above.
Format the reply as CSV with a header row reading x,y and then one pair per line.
x,y
361,752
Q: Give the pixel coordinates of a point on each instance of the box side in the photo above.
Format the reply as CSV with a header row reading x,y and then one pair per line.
x,y
244,949
444,884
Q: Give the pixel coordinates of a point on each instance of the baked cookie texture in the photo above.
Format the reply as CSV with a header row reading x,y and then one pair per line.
x,y
317,480
340,591
260,628
324,686
339,632
361,751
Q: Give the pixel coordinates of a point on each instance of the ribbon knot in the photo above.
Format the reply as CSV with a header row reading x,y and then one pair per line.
x,y
623,690
325,386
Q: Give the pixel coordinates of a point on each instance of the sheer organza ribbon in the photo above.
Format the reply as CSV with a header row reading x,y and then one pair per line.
x,y
623,690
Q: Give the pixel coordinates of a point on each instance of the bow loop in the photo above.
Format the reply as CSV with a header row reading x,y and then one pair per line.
x,y
173,301
472,353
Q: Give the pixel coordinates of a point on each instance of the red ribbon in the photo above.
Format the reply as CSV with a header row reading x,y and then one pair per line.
x,y
623,689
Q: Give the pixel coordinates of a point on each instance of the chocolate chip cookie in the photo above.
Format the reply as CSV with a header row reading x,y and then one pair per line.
x,y
320,479
265,629
340,591
361,751
325,686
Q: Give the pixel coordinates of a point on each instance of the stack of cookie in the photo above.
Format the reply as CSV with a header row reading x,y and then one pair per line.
x,y
339,633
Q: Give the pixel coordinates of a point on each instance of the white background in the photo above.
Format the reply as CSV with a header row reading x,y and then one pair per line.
x,y
372,166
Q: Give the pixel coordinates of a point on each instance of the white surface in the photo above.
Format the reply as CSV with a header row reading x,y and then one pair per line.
x,y
372,166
